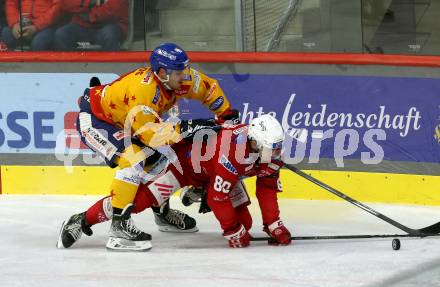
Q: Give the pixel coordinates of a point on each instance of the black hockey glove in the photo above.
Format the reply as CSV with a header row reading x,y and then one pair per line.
x,y
230,116
204,207
188,127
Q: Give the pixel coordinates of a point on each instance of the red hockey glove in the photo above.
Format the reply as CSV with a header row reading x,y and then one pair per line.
x,y
238,237
278,232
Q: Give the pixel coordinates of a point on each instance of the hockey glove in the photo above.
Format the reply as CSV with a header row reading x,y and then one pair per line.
x,y
190,195
188,127
230,117
238,237
204,207
278,233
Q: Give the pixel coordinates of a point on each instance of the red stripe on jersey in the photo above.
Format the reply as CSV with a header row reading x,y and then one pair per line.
x,y
163,185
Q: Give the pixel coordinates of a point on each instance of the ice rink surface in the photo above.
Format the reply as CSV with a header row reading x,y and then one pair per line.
x,y
28,257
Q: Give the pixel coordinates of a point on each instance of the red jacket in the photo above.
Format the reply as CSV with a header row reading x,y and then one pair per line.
x,y
42,13
88,15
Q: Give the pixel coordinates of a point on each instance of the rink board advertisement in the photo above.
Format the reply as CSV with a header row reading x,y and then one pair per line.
x,y
355,117
366,119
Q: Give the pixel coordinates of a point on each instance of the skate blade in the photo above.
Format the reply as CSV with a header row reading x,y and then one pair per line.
x,y
173,229
124,245
60,241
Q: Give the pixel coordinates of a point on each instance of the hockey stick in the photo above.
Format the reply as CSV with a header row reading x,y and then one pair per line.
x,y
426,231
334,237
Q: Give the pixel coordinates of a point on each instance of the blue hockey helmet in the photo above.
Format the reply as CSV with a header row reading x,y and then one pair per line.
x,y
168,56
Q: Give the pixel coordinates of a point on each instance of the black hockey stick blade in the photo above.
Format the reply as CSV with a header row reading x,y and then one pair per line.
x,y
336,237
432,229
429,230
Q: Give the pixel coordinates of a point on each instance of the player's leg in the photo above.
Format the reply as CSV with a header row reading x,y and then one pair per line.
x,y
123,232
240,201
102,210
233,230
99,212
244,216
172,220
124,235
72,230
162,187
238,196
108,142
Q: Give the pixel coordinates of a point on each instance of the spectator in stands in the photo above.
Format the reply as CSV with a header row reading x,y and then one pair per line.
x,y
3,46
34,24
2,15
2,21
94,22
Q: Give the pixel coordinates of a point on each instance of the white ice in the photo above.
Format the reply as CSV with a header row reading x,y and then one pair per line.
x,y
28,256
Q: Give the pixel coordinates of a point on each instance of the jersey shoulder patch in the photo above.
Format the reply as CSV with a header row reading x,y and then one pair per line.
x,y
148,77
217,103
156,95
224,161
196,78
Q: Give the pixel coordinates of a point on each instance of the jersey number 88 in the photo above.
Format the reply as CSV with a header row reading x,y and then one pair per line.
x,y
221,185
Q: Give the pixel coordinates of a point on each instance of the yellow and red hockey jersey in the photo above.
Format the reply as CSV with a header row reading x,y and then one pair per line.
x,y
133,95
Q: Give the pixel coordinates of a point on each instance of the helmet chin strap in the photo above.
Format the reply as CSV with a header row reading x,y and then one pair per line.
x,y
165,82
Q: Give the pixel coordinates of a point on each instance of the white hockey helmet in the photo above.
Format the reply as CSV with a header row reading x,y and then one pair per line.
x,y
267,132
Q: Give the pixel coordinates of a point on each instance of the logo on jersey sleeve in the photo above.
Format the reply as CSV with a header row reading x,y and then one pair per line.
x,y
196,81
157,95
211,90
217,103
228,165
148,77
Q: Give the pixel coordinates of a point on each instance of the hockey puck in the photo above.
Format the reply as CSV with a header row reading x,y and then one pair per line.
x,y
396,244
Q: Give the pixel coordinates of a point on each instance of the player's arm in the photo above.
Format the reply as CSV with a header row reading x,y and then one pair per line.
x,y
266,192
208,91
144,119
153,132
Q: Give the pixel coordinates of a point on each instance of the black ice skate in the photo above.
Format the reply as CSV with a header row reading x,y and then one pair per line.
x,y
125,236
72,229
171,220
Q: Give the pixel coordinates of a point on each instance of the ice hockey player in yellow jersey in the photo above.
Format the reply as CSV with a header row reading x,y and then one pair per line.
x,y
128,110
159,91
